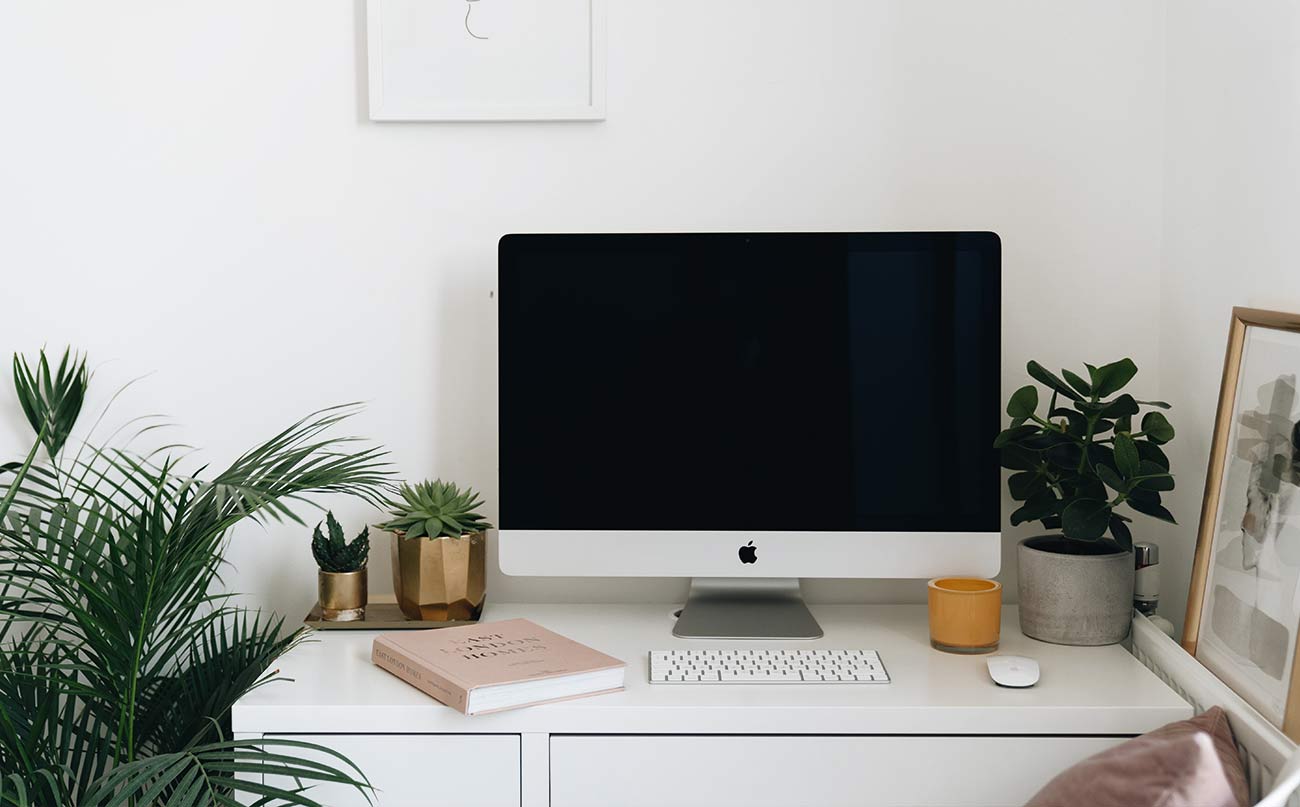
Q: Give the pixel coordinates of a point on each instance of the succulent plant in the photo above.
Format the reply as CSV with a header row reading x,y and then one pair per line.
x,y
435,509
334,554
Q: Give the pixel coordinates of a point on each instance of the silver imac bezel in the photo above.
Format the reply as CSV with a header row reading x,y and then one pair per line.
x,y
654,553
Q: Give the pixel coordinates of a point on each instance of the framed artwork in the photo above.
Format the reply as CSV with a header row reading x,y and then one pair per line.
x,y
1243,609
486,60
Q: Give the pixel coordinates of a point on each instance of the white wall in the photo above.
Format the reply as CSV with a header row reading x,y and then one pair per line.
x,y
193,189
1232,203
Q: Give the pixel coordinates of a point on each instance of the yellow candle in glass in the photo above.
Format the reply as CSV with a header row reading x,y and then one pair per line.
x,y
965,614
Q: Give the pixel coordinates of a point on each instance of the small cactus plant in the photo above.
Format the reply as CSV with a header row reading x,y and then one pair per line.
x,y
435,509
334,554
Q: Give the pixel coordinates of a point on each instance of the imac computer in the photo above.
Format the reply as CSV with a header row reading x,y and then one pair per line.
x,y
749,409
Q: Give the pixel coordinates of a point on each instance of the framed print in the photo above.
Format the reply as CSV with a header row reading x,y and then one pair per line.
x,y
486,60
1243,609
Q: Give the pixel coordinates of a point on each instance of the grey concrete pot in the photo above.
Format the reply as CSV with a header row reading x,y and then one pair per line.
x,y
1074,593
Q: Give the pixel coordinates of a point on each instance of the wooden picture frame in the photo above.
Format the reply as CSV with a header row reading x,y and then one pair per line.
x,y
1243,606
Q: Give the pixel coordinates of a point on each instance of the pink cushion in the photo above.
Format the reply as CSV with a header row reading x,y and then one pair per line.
x,y
1192,763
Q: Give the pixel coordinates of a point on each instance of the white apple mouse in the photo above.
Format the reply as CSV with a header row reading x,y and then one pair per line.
x,y
1013,671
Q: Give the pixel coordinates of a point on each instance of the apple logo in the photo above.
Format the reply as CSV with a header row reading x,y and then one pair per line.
x,y
748,553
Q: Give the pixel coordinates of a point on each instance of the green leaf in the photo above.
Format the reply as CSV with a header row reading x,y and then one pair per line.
x,y
1084,487
1023,402
1124,423
1078,383
1018,458
1123,406
1065,455
1085,519
1111,378
1047,378
1025,484
1152,476
1126,456
1040,505
1157,428
1145,495
1118,408
1151,507
1159,404
1045,439
1013,435
51,402
1099,454
1148,450
1111,478
1120,532
278,770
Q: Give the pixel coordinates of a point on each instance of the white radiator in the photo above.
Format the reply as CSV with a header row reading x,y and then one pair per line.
x,y
1263,747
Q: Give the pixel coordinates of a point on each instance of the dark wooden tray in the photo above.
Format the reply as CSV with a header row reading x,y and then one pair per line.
x,y
379,616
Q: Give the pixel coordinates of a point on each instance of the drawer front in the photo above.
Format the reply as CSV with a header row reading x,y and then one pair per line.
x,y
720,771
424,770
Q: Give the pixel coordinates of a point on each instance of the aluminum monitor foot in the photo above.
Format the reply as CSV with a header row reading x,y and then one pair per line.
x,y
746,608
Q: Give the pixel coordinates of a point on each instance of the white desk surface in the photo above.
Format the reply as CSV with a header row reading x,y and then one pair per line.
x,y
1083,690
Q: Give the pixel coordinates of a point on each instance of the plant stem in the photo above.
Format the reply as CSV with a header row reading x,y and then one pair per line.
x,y
1047,423
22,473
1087,440
1053,481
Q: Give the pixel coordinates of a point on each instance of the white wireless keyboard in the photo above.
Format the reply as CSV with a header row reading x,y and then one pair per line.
x,y
734,666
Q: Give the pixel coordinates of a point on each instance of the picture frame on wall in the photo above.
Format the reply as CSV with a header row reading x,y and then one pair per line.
x,y
485,60
1243,607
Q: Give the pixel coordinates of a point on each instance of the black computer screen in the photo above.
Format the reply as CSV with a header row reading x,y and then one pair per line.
x,y
776,381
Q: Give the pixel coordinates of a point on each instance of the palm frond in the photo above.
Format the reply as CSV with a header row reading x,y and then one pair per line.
x,y
232,657
213,774
119,657
52,402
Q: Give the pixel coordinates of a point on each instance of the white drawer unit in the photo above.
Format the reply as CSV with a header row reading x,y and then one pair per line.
x,y
722,771
424,770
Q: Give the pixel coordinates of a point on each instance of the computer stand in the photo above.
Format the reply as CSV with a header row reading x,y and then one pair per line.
x,y
746,608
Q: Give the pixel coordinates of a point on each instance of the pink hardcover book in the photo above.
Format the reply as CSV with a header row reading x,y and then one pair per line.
x,y
491,666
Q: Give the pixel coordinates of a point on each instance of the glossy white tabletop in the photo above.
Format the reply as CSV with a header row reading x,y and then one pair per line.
x,y
1097,690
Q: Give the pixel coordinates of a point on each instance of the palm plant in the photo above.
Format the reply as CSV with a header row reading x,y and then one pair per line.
x,y
119,659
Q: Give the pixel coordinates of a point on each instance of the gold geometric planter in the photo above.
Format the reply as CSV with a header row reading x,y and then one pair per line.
x,y
440,579
343,595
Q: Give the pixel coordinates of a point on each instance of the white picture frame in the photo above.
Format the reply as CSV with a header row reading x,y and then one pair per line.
x,y
486,60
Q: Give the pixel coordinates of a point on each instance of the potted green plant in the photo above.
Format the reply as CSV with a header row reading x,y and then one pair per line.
x,y
121,651
439,551
1081,469
342,579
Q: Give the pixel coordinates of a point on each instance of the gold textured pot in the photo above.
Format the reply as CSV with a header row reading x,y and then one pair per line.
x,y
343,595
440,579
